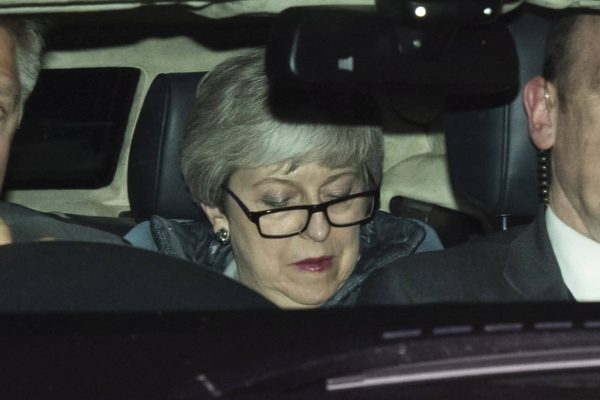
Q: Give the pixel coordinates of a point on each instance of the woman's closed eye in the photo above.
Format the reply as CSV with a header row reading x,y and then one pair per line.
x,y
337,195
276,201
339,192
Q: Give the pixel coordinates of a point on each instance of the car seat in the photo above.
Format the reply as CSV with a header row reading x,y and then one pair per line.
x,y
491,159
155,182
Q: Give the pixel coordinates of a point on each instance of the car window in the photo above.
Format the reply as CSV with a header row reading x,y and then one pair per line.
x,y
73,129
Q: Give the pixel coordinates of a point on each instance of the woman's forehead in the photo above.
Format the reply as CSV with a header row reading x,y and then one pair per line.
x,y
305,174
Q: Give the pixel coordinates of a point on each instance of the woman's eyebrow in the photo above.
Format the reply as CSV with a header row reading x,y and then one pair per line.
x,y
270,180
291,182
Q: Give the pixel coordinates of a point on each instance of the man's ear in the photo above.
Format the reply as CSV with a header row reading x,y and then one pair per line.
x,y
539,97
217,219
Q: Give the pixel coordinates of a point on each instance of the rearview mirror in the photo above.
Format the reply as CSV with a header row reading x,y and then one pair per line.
x,y
360,48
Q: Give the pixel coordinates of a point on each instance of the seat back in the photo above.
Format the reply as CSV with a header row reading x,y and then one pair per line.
x,y
491,158
155,182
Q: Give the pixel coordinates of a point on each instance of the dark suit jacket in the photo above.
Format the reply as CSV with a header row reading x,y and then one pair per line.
x,y
516,265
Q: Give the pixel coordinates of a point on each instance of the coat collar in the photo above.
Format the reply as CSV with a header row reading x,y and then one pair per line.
x,y
531,267
382,241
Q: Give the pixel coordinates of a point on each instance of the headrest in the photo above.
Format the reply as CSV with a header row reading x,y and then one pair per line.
x,y
155,182
490,156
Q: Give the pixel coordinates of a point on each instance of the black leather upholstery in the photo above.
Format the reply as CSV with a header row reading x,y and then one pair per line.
x,y
36,277
490,156
155,183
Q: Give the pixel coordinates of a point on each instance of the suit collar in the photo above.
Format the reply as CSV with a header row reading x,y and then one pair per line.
x,y
531,267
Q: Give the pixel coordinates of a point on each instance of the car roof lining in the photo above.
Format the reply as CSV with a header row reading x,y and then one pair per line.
x,y
210,9
72,31
226,9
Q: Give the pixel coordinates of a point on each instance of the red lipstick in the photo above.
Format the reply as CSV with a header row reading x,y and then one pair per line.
x,y
318,264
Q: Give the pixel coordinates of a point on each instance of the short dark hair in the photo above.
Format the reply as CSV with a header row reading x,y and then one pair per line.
x,y
558,59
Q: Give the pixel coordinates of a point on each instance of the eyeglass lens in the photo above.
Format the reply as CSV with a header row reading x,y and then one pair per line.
x,y
351,211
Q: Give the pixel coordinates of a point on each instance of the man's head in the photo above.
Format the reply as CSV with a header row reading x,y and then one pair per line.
x,y
564,115
20,60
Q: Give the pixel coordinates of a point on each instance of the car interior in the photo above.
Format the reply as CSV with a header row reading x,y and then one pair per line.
x,y
491,175
490,156
140,173
467,171
487,176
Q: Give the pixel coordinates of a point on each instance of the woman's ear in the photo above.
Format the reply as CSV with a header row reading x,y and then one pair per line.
x,y
217,219
539,97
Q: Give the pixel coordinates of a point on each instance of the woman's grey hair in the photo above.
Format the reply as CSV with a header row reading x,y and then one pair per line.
x,y
232,126
28,35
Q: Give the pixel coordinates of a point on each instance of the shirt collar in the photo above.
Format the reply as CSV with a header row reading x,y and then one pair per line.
x,y
231,270
577,257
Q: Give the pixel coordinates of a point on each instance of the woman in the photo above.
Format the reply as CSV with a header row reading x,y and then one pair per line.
x,y
291,205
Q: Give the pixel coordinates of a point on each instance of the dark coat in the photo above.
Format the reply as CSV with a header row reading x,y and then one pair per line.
x,y
383,241
516,265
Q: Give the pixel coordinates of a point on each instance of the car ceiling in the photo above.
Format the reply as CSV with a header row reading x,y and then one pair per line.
x,y
225,9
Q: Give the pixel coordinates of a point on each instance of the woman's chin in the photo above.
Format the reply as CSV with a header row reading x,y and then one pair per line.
x,y
303,299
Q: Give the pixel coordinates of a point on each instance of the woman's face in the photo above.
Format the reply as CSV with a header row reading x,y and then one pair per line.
x,y
302,270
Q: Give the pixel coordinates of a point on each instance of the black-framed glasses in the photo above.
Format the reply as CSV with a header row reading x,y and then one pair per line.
x,y
284,222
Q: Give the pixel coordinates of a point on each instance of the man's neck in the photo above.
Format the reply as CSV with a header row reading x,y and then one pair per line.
x,y
571,213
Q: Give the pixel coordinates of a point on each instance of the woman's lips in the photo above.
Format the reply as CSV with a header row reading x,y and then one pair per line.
x,y
315,264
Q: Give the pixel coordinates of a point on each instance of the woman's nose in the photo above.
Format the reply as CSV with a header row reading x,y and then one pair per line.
x,y
318,227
